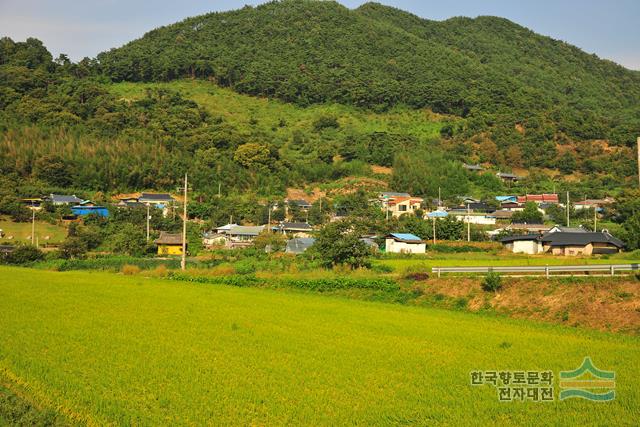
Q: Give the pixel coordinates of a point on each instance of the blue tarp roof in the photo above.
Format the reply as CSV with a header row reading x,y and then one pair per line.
x,y
406,236
505,198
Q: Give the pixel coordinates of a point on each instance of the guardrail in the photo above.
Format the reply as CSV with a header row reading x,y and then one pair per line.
x,y
539,269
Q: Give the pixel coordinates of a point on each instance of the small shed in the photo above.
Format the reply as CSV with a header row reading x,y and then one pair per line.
x,y
169,243
404,243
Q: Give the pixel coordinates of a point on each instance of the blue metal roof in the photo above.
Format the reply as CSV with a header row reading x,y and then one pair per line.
x,y
406,236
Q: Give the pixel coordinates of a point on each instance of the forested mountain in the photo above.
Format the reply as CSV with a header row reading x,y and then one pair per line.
x,y
491,70
294,93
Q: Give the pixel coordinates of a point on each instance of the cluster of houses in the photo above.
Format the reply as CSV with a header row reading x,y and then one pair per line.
x,y
475,211
80,207
529,238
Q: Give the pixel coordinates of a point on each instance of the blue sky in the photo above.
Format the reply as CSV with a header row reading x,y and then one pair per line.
x,y
610,29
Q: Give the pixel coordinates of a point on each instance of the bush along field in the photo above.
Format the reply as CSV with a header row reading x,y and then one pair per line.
x,y
138,350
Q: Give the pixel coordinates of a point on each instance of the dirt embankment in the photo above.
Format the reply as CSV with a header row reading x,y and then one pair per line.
x,y
608,304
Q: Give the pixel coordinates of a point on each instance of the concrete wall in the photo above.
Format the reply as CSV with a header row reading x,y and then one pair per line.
x,y
476,219
524,247
393,246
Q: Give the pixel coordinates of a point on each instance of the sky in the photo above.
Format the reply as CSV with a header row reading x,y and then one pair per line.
x,y
608,28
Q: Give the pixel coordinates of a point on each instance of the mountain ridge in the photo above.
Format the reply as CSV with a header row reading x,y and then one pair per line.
x,y
497,72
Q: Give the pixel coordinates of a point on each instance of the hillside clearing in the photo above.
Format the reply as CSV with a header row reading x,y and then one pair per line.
x,y
131,350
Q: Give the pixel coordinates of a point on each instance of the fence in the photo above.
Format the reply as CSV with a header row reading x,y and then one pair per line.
x,y
542,269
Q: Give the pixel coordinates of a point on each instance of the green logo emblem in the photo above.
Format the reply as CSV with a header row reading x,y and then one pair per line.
x,y
588,382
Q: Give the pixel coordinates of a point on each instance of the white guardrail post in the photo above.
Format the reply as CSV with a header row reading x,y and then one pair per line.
x,y
540,269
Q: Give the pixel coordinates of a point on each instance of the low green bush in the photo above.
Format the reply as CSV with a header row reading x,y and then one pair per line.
x,y
492,282
319,285
22,254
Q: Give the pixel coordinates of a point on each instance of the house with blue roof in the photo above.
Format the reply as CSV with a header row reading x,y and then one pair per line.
x,y
404,243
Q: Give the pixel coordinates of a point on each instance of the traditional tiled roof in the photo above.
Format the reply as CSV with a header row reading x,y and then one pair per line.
x,y
169,239
243,230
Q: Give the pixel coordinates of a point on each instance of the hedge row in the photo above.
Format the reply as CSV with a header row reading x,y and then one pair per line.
x,y
320,285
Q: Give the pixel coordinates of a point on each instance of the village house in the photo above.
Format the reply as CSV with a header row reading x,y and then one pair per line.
x,y
507,199
473,218
300,203
508,177
90,209
511,206
61,199
502,215
397,204
158,200
404,243
539,198
523,244
294,229
472,168
596,204
583,243
241,236
169,244
33,203
566,243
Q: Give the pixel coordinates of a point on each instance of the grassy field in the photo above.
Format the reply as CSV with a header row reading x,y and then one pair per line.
x,y
105,348
241,109
21,232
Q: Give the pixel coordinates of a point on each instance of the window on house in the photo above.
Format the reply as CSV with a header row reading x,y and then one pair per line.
x,y
402,208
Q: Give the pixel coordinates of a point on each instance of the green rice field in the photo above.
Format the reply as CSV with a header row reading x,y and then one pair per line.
x,y
501,259
103,348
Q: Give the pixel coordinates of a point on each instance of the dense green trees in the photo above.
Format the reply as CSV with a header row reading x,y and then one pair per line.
x,y
339,243
493,71
530,214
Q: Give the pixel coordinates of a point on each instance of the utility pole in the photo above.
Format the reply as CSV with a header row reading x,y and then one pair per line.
x,y
148,215
269,209
434,229
638,143
439,197
219,188
468,224
183,261
595,218
33,225
568,204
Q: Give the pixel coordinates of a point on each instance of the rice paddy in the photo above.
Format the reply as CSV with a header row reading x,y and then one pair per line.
x,y
102,348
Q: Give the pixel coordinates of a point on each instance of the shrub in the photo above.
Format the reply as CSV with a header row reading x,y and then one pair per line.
x,y
73,247
492,282
129,269
160,271
245,266
23,254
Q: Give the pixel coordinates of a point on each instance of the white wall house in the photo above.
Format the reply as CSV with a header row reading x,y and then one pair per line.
x,y
476,219
404,243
